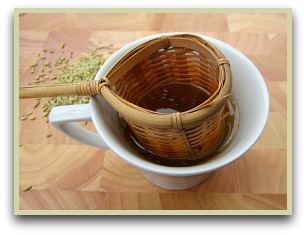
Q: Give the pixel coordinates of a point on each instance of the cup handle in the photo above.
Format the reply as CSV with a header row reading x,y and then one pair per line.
x,y
63,118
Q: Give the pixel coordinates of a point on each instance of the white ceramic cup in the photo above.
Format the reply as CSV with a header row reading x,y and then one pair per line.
x,y
249,91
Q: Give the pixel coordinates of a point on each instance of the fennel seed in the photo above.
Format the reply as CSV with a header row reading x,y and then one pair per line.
x,y
60,69
34,63
37,103
22,118
27,188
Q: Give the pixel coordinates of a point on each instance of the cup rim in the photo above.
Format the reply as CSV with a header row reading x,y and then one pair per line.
x,y
186,170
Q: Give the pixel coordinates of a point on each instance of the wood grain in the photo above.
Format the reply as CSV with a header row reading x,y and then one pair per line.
x,y
67,175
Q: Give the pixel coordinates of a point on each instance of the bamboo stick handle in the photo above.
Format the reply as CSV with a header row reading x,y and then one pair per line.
x,y
72,89
26,92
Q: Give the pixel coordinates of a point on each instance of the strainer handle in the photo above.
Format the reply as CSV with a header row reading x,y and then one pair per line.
x,y
63,118
87,88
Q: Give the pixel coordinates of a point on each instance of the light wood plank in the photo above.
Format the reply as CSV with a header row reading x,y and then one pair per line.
x,y
67,175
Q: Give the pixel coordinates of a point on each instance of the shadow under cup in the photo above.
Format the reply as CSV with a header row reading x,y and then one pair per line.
x,y
251,96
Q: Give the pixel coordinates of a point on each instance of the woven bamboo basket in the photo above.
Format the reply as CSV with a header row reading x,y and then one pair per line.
x,y
183,73
170,69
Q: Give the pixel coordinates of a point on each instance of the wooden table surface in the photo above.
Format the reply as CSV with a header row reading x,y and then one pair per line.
x,y
67,175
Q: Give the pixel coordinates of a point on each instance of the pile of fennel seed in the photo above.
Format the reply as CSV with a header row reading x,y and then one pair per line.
x,y
54,67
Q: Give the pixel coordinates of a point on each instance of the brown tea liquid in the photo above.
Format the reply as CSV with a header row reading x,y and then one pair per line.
x,y
174,98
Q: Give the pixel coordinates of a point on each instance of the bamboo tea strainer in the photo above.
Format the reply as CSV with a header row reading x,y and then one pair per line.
x,y
171,70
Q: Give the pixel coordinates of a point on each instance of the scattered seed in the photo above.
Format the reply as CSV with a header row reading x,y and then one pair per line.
x,y
34,63
29,113
21,118
45,114
37,103
46,119
49,135
100,47
84,69
26,188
